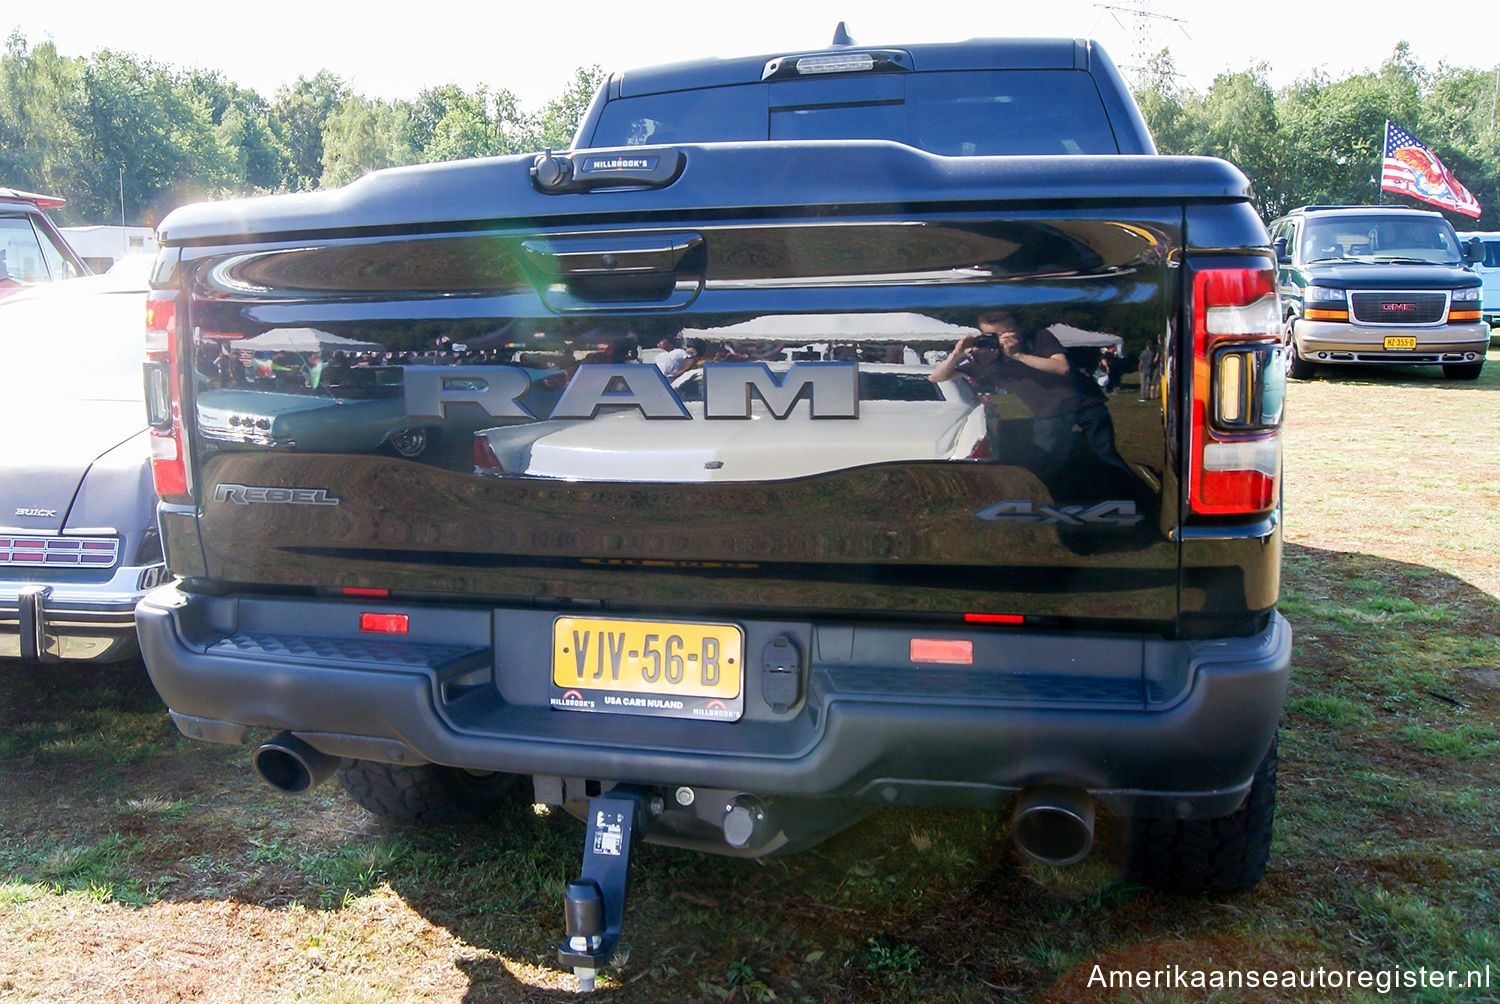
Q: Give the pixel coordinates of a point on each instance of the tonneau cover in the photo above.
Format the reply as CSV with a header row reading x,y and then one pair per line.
x,y
474,194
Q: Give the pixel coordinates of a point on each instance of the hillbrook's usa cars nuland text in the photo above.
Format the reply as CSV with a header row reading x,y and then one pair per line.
x,y
724,479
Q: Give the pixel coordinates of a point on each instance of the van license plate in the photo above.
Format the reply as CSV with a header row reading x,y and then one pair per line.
x,y
665,669
1400,341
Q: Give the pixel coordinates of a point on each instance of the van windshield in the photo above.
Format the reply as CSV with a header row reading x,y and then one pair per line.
x,y
1381,238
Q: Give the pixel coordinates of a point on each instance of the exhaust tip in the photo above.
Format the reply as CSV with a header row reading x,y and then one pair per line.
x,y
1054,826
290,765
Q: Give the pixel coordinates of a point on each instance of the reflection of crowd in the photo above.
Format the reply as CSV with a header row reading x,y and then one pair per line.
x,y
222,363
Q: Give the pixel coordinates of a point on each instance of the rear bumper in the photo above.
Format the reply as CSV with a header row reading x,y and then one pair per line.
x,y
1348,342
74,620
1149,727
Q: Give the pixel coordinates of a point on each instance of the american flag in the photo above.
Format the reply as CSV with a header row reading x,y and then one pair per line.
x,y
1412,169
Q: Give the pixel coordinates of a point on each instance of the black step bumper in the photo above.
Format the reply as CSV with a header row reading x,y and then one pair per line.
x,y
1148,726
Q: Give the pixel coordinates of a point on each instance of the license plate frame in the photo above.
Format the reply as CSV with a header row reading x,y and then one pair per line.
x,y
1400,343
658,669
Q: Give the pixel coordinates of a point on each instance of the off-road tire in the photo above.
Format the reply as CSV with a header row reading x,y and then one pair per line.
x,y
1462,371
1209,856
425,793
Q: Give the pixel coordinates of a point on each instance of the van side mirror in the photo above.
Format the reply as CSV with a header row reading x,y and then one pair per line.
x,y
1282,257
1474,251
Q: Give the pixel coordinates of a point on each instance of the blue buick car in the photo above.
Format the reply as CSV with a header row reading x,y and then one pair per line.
x,y
78,536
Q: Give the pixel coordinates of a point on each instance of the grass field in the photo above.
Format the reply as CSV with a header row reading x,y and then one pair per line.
x,y
137,866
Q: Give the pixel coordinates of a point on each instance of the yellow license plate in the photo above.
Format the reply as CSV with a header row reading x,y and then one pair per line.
x,y
661,668
1400,342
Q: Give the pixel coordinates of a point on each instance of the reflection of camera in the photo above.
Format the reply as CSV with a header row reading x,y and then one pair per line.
x,y
987,342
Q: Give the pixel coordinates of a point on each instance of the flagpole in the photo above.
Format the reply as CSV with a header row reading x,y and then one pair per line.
x,y
1380,168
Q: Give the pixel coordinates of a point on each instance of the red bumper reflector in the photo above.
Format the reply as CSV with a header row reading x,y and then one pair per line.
x,y
383,623
994,618
944,651
361,591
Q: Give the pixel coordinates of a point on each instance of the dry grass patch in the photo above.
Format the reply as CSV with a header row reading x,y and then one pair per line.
x,y
374,948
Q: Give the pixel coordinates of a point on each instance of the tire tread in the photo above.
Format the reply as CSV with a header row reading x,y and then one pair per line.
x,y
1210,856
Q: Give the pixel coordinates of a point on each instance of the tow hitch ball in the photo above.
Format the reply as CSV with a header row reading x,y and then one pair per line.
x,y
594,904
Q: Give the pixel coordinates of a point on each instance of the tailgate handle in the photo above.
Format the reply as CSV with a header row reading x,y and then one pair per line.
x,y
585,170
636,272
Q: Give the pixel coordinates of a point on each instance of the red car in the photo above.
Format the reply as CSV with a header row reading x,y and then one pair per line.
x,y
31,249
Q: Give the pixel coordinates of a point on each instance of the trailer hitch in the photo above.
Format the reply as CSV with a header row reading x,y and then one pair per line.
x,y
594,903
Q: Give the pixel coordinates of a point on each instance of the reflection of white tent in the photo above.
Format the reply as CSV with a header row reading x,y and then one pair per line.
x,y
305,340
837,328
1072,337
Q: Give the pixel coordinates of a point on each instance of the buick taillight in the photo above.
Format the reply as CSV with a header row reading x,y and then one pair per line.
x,y
485,461
1239,380
163,402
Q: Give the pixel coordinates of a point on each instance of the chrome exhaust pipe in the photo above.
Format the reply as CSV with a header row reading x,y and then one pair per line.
x,y
1054,825
288,764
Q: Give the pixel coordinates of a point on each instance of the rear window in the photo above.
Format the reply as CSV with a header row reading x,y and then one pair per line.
x,y
712,115
955,113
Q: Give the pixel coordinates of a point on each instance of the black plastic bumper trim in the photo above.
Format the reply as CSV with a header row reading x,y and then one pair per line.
x,y
1194,756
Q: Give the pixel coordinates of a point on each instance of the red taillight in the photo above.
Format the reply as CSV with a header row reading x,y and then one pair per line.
x,y
485,461
384,623
161,311
994,619
163,404
1238,379
942,651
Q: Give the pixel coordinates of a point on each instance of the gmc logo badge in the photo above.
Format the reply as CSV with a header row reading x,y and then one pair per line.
x,y
1398,307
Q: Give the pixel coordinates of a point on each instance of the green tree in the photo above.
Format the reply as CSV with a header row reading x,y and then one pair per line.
x,y
256,158
559,118
1322,140
39,142
298,118
145,133
1459,121
452,124
364,135
1161,99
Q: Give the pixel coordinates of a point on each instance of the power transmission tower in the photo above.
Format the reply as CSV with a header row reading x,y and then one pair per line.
x,y
1145,43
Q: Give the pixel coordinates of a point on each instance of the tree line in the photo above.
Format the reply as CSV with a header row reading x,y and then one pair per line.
x,y
110,127
1321,141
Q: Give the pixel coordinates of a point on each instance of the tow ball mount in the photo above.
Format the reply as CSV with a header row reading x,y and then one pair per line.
x,y
594,904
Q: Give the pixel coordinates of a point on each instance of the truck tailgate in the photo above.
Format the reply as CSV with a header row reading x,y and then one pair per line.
x,y
493,407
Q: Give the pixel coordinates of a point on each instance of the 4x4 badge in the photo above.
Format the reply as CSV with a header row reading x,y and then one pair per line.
x,y
1022,511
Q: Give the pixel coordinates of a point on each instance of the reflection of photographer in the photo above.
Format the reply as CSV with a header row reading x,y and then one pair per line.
x,y
1006,357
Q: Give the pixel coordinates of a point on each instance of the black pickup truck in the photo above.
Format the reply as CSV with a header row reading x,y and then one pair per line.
x,y
772,455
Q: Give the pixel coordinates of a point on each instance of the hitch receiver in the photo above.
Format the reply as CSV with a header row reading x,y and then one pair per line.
x,y
594,904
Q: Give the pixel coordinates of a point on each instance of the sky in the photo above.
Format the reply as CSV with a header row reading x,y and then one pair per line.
x,y
384,50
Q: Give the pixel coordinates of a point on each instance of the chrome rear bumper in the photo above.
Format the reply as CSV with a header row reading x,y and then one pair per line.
x,y
47,622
